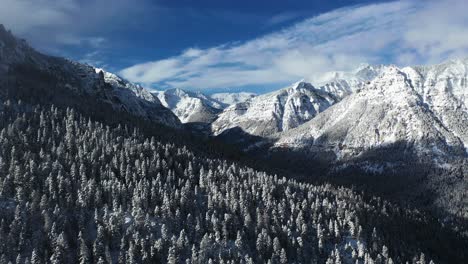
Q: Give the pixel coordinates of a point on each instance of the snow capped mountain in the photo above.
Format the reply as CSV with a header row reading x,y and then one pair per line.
x,y
274,112
341,84
137,100
288,108
232,98
424,107
190,106
26,73
444,89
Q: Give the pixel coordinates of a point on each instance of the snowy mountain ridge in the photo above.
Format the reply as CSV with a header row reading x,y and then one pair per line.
x,y
424,106
190,106
276,115
342,84
22,66
232,98
276,111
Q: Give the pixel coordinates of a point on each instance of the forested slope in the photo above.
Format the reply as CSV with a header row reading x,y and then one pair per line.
x,y
76,191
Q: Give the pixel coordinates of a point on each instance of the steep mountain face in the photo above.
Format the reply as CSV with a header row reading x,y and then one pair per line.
x,y
389,110
232,98
278,111
444,90
190,107
28,75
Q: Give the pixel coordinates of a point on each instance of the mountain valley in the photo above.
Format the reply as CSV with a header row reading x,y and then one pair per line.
x,y
366,166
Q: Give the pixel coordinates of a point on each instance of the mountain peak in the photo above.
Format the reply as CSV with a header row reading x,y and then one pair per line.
x,y
190,106
391,80
274,112
390,72
302,85
179,92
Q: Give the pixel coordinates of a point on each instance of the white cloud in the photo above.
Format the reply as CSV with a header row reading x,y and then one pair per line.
x,y
403,32
439,31
22,15
51,24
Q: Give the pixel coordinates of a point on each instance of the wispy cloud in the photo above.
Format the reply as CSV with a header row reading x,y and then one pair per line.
x,y
283,17
402,32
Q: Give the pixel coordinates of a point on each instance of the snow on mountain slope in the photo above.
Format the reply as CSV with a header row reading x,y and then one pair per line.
x,y
232,98
444,89
137,100
274,112
342,84
25,71
190,106
395,107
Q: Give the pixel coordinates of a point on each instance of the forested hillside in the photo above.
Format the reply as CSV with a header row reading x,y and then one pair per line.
x,y
76,191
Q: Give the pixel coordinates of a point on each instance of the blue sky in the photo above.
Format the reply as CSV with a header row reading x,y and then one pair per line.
x,y
214,45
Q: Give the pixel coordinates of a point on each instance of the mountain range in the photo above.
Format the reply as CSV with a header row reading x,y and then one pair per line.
x,y
375,120
342,116
422,106
408,124
313,176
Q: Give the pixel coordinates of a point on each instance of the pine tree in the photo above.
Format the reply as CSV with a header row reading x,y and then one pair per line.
x,y
35,259
84,254
283,257
172,256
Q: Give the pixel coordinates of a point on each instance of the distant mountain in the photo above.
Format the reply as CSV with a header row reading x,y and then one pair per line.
x,y
403,135
29,75
422,106
292,106
189,106
232,98
275,112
